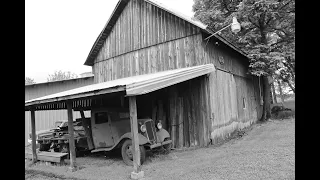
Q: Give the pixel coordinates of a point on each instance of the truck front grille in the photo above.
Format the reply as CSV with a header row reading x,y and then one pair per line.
x,y
151,131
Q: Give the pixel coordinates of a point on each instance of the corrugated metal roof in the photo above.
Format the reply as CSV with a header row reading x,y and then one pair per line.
x,y
134,85
118,10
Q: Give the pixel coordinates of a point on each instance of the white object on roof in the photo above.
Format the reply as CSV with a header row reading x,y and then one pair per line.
x,y
180,15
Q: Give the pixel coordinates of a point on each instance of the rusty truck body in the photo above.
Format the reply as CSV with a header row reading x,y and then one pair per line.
x,y
108,129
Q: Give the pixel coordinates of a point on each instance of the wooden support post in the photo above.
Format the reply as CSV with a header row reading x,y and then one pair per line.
x,y
85,125
135,138
33,131
71,135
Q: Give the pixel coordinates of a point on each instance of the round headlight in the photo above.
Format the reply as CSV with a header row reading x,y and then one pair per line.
x,y
143,128
159,125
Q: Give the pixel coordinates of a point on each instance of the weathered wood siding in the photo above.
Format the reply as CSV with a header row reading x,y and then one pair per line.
x,y
234,101
142,36
141,25
183,109
178,53
204,108
188,112
173,54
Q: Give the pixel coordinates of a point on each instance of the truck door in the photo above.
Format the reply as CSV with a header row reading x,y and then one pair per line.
x,y
101,129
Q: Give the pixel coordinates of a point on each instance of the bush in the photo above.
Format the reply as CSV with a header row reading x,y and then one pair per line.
x,y
281,112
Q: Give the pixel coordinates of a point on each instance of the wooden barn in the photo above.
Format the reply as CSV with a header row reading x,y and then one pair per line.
x,y
145,37
157,63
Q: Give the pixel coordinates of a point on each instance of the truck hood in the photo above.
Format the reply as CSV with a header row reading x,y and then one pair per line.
x,y
44,132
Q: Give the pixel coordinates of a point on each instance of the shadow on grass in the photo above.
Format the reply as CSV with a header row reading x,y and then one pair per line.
x,y
29,174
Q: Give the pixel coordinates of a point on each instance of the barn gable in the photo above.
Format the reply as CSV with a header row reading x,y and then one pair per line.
x,y
137,24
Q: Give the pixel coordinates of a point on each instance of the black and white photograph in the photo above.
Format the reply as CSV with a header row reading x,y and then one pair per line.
x,y
159,89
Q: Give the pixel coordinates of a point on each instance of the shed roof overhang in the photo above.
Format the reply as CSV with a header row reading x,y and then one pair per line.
x,y
131,86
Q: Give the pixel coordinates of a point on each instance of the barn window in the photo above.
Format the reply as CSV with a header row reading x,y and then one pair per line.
x,y
244,103
101,117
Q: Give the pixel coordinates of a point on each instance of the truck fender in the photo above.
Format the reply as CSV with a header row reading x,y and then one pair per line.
x,y
142,140
162,134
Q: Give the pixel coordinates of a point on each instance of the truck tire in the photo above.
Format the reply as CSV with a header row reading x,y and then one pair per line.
x,y
44,147
64,148
127,154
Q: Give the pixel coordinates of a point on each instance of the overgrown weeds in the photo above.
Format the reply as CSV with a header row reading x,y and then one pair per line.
x,y
283,115
159,154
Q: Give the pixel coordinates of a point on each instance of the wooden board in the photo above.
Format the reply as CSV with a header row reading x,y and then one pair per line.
x,y
33,131
71,134
48,156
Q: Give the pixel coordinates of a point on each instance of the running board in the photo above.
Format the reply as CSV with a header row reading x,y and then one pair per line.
x,y
101,149
160,144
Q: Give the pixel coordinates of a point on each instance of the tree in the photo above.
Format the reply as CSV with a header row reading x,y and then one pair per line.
x,y
60,75
29,81
274,95
267,36
283,90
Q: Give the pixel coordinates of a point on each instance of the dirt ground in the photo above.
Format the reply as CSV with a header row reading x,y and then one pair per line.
x,y
264,151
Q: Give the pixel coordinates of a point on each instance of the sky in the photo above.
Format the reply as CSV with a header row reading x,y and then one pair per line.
x,y
59,34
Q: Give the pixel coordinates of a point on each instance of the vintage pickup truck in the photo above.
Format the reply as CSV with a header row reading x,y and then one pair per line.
x,y
109,129
56,138
41,133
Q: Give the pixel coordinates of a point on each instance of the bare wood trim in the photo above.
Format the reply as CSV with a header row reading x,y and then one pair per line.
x,y
134,131
71,136
231,72
228,43
33,131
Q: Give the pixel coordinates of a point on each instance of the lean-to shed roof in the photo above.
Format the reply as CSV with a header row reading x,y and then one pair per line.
x,y
132,86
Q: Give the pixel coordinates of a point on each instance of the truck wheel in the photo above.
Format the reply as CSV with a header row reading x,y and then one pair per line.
x,y
64,148
44,147
127,153
167,147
